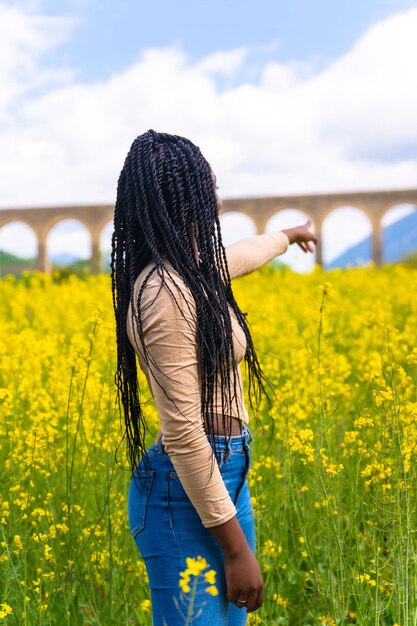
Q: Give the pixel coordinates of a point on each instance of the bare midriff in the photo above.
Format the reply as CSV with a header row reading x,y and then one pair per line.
x,y
218,425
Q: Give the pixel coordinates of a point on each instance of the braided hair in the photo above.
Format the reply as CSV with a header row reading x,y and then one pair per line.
x,y
165,187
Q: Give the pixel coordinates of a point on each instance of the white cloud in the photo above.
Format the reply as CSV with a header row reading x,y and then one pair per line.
x,y
370,94
226,63
296,129
24,39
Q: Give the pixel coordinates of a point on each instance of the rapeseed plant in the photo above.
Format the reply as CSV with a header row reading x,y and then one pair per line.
x,y
197,571
334,456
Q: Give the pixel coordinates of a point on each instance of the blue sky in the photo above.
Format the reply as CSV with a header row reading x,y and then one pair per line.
x,y
282,98
109,35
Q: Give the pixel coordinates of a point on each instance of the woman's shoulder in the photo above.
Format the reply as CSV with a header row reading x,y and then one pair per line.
x,y
164,304
164,288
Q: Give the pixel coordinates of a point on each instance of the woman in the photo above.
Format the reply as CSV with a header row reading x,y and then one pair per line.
x,y
175,311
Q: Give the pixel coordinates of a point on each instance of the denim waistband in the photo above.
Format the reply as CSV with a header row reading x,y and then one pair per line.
x,y
236,442
222,442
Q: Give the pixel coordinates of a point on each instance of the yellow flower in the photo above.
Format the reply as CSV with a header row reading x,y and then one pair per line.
x,y
145,605
5,610
280,600
47,552
212,590
210,576
17,541
270,548
196,566
184,584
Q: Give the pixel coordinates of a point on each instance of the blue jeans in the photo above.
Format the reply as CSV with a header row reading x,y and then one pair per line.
x,y
166,529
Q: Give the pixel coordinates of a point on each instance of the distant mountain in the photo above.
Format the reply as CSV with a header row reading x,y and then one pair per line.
x,y
398,240
6,258
64,258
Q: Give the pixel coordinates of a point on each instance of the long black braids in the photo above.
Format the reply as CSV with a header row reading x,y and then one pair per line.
x,y
165,196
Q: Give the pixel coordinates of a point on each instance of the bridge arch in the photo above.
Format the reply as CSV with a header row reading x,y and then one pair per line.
x,y
68,238
233,222
288,217
56,219
338,239
18,246
374,204
105,234
297,213
20,220
399,229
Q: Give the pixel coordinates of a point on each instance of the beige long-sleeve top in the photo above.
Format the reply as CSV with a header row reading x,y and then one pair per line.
x,y
170,336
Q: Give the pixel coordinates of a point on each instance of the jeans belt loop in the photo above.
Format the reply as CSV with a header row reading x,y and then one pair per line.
x,y
161,445
246,437
228,450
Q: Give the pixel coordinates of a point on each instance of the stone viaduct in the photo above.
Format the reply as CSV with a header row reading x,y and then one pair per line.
x,y
316,206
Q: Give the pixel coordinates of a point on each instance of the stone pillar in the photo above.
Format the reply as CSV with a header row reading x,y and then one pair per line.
x,y
318,247
42,262
377,242
260,224
95,262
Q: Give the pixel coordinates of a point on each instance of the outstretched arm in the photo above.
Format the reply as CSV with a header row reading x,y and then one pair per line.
x,y
251,253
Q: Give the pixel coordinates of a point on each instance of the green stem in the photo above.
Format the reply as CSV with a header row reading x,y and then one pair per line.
x,y
191,605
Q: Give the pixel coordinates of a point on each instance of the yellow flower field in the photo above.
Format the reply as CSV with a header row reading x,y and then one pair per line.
x,y
333,477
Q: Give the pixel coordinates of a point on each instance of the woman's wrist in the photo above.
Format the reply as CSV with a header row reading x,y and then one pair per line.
x,y
290,232
230,538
